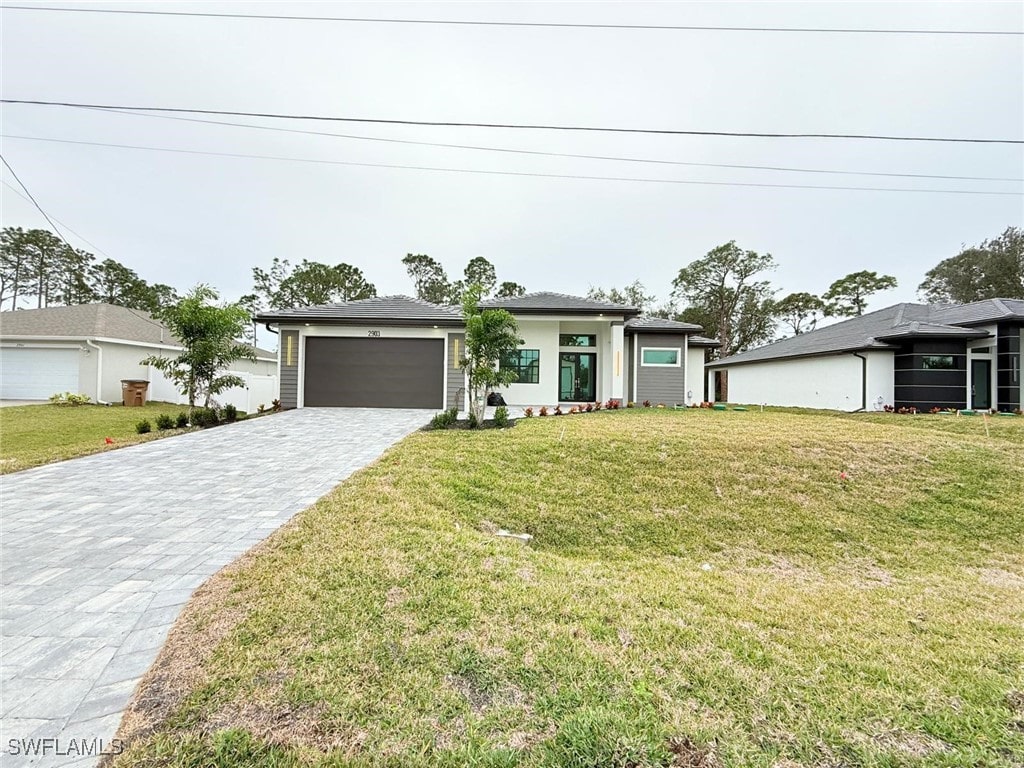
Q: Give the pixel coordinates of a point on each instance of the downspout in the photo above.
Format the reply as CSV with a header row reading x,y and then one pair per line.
x,y
864,382
99,370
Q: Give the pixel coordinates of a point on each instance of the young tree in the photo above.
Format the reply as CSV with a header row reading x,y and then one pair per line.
x,y
208,334
992,270
800,311
633,295
430,279
491,334
44,254
14,256
847,296
723,295
508,290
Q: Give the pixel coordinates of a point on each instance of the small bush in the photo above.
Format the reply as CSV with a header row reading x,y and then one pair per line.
x,y
631,404
69,399
181,421
143,427
164,421
529,413
444,420
558,410
230,413
204,417
275,404
597,406
501,417
472,420
261,408
543,411
647,403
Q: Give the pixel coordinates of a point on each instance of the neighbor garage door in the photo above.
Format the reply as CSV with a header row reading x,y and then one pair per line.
x,y
374,373
35,374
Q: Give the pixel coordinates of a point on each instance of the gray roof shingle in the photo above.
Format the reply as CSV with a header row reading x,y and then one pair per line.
x,y
93,321
397,310
546,302
873,330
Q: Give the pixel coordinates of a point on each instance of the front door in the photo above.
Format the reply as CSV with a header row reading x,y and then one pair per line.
x,y
981,384
577,377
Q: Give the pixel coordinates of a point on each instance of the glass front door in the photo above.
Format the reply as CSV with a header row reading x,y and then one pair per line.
x,y
577,378
981,384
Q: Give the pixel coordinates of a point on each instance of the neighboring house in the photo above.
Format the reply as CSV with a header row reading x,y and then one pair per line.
x,y
89,348
399,352
908,355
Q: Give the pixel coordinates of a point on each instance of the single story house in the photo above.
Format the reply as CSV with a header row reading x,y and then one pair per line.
x,y
89,348
906,356
400,352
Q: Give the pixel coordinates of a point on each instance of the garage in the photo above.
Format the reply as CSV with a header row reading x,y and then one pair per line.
x,y
32,373
373,372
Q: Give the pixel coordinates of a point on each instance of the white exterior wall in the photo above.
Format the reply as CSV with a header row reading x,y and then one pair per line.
x,y
541,335
832,382
881,391
694,375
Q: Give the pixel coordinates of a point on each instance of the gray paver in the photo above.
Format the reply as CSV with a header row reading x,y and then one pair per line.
x,y
99,554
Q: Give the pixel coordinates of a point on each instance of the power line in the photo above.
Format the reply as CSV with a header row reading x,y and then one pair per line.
x,y
36,204
516,126
510,173
523,24
562,154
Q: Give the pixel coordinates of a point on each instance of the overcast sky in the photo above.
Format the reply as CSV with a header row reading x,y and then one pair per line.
x,y
181,219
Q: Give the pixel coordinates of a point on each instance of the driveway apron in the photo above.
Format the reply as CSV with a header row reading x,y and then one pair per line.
x,y
99,554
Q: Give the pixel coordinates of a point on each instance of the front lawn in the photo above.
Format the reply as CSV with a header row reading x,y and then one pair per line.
x,y
38,434
702,589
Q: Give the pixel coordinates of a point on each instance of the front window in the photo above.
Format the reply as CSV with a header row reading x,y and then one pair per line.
x,y
526,364
938,362
577,340
664,356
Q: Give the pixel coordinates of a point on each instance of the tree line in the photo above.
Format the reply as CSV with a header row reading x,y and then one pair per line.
x,y
727,291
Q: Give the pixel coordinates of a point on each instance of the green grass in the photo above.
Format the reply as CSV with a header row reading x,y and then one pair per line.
x,y
703,589
39,434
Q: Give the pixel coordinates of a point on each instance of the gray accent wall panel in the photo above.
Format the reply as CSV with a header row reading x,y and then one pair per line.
x,y
455,376
289,369
660,385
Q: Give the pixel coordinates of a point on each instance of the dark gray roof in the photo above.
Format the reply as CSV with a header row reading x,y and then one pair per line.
x,y
557,303
92,321
660,325
892,324
703,341
385,310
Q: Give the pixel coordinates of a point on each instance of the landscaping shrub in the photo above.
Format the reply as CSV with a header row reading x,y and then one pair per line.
x,y
528,412
501,417
164,421
442,420
230,413
204,417
543,410
143,427
473,421
69,399
181,421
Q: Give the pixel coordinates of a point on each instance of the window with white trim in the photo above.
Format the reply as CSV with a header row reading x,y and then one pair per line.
x,y
663,357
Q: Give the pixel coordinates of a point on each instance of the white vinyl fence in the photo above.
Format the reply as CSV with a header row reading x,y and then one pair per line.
x,y
258,390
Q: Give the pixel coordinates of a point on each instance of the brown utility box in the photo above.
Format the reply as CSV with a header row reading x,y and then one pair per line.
x,y
133,392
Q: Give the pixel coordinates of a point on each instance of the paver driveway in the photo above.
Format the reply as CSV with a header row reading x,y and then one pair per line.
x,y
100,553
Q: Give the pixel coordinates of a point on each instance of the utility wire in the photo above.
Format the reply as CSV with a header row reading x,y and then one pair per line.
x,y
509,173
36,204
54,218
517,126
547,24
561,154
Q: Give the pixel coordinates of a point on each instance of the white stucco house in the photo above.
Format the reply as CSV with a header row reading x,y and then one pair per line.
x,y
401,352
905,356
89,348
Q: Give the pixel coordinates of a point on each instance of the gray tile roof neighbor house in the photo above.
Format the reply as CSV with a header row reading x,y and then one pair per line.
x,y
875,329
548,303
391,310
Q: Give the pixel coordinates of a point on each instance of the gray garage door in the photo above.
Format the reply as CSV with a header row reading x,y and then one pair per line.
x,y
374,373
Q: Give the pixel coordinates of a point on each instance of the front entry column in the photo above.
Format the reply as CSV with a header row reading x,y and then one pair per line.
x,y
618,362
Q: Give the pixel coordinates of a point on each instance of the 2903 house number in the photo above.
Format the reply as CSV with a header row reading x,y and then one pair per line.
x,y
374,334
